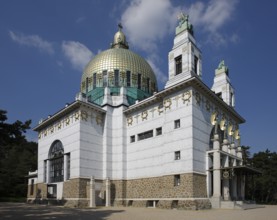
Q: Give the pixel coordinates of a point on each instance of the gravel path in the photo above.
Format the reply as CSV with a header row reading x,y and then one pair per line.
x,y
14,211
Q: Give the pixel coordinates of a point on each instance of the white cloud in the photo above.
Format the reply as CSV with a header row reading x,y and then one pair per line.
x,y
32,41
78,54
211,17
162,77
147,22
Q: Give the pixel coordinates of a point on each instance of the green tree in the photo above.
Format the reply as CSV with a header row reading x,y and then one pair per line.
x,y
263,188
17,157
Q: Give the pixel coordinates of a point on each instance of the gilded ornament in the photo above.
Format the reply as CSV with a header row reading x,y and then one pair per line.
x,y
167,104
67,121
39,135
76,116
99,119
84,115
197,98
52,130
45,133
208,105
160,108
144,115
230,129
222,123
59,125
214,118
129,121
186,97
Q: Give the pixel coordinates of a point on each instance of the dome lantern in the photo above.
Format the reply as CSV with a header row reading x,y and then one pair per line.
x,y
120,39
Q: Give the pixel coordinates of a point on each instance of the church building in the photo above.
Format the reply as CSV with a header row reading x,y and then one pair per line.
x,y
123,142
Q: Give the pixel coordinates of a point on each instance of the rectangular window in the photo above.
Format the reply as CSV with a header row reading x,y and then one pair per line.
x,y
116,78
105,78
87,85
148,85
94,80
52,191
32,187
177,155
177,180
177,124
132,139
178,65
196,64
145,135
139,81
159,131
128,79
56,170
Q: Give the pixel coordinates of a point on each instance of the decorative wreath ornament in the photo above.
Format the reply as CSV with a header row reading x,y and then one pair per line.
x,y
167,103
76,116
226,174
52,130
208,105
197,98
67,121
98,119
129,121
144,115
186,96
160,108
84,115
59,125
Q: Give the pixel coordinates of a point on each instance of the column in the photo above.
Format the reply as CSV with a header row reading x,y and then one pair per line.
x,y
233,149
239,152
226,185
92,193
65,167
234,183
48,171
216,168
242,187
108,192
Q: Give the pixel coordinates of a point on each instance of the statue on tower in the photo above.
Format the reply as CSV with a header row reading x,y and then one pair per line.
x,y
184,24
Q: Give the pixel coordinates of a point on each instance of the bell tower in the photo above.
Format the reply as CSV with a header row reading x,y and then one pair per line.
x,y
184,59
222,85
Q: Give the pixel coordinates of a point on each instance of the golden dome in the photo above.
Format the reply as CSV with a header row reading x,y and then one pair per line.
x,y
119,59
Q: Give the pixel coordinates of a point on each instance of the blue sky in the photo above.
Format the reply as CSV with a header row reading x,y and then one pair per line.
x,y
44,45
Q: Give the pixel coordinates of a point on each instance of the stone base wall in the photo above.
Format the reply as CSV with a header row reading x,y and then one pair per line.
x,y
191,186
35,190
136,193
75,188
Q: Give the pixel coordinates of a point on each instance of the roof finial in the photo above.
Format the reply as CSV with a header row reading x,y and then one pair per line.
x,y
119,26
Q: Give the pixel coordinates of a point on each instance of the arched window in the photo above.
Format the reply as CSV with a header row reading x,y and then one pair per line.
x,y
56,160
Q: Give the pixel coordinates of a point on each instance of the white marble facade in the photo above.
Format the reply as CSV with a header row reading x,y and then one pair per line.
x,y
169,133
